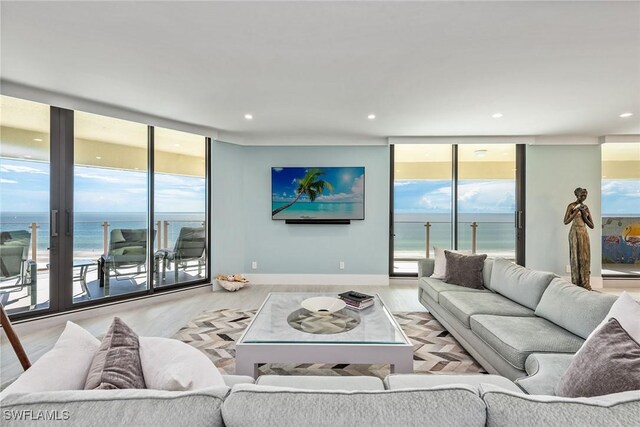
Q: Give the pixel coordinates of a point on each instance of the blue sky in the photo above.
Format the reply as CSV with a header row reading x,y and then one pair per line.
x,y
25,188
348,184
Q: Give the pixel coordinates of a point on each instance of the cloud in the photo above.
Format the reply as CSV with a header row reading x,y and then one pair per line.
x,y
98,177
341,197
7,181
21,169
277,169
358,185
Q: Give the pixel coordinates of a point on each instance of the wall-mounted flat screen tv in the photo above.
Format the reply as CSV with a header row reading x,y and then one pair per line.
x,y
317,193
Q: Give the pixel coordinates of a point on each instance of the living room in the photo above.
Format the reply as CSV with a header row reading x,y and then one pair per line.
x,y
458,125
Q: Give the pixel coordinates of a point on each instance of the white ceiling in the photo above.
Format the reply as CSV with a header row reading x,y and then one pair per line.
x,y
319,68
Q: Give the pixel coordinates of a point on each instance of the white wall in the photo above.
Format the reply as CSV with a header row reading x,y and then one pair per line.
x,y
242,209
553,173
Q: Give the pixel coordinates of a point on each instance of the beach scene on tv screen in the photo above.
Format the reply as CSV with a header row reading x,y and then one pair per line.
x,y
317,193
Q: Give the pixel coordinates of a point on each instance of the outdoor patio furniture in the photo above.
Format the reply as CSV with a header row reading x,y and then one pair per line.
x,y
127,249
190,246
16,270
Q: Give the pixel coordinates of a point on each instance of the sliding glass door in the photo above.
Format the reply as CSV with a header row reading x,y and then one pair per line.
x,y
466,197
24,205
96,209
110,207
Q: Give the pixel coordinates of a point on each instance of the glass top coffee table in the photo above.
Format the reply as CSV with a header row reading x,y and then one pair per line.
x,y
284,332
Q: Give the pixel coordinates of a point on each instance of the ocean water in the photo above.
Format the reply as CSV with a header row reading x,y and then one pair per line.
x,y
88,230
320,210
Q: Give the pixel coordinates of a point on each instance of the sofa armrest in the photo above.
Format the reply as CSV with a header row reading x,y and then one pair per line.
x,y
545,370
425,267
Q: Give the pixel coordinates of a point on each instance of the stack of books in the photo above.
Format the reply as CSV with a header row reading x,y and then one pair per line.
x,y
356,300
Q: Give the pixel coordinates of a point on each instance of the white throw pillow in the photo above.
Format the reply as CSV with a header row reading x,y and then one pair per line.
x,y
440,263
626,311
64,367
169,364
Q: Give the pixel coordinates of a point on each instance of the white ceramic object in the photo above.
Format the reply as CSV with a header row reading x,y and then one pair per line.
x,y
323,305
231,286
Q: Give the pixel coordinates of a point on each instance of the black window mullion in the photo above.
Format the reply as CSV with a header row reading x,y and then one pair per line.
x,y
151,235
520,202
207,225
454,196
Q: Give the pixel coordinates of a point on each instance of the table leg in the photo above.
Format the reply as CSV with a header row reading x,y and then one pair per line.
x,y
246,366
402,365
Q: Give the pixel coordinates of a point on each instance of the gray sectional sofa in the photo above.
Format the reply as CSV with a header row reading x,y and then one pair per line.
x,y
399,400
523,322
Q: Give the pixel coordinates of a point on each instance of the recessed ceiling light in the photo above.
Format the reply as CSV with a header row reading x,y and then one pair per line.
x,y
625,115
37,139
98,157
27,156
480,153
248,116
371,116
497,115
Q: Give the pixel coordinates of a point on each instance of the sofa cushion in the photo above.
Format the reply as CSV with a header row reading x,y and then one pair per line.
x,y
505,408
463,305
464,270
573,307
64,367
422,381
252,405
486,272
116,364
520,284
126,407
311,382
169,364
609,362
544,370
515,338
433,287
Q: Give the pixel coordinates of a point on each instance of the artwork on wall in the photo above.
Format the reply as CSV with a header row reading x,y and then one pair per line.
x,y
317,193
621,240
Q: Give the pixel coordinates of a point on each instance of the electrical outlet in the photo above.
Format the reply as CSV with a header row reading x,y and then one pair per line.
x,y
254,265
568,269
341,265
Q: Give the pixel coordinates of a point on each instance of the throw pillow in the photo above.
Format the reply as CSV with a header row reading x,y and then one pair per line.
x,y
64,367
625,310
608,363
172,365
116,364
440,262
464,270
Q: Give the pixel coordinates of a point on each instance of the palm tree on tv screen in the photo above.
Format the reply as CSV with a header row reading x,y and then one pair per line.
x,y
310,185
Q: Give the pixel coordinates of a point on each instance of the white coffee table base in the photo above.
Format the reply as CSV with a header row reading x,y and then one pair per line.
x,y
249,355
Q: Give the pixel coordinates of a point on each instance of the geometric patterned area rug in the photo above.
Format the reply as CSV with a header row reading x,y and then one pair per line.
x,y
435,351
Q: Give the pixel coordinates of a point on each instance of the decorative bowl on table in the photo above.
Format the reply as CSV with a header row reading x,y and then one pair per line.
x,y
323,305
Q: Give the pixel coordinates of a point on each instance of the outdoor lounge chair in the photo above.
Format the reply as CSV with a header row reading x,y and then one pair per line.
x,y
190,246
127,249
16,270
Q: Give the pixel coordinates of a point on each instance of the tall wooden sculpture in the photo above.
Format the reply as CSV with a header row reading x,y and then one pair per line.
x,y
579,250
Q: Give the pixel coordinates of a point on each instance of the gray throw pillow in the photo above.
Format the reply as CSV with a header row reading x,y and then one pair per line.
x,y
116,364
464,270
608,362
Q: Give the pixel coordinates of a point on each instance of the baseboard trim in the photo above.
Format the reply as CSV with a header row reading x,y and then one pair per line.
x,y
319,279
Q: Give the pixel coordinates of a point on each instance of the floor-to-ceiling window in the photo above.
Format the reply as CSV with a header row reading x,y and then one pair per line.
x,y
180,174
421,203
487,198
463,197
95,208
621,209
110,207
24,204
